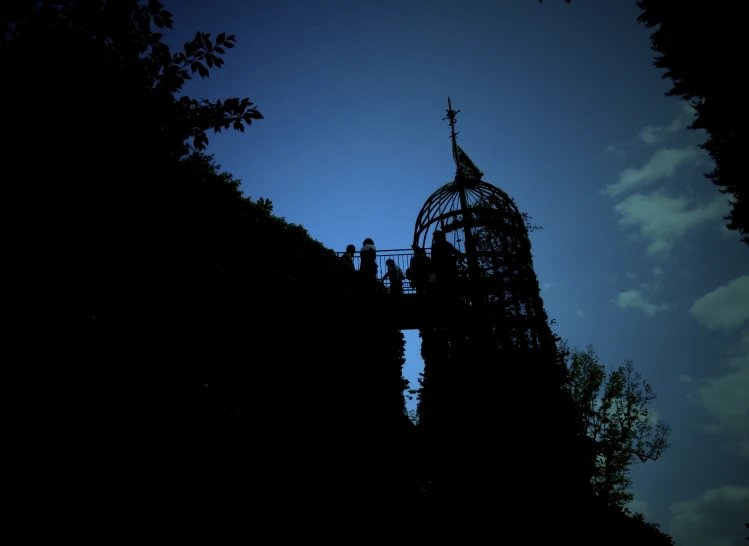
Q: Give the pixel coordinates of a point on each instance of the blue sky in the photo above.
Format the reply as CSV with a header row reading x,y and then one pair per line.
x,y
561,108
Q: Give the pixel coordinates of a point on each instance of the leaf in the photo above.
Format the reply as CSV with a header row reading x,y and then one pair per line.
x,y
219,62
209,61
228,44
220,38
238,126
202,70
158,21
168,24
218,49
195,66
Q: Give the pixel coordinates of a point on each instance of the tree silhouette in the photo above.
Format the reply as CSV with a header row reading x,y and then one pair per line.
x,y
493,379
209,346
201,353
688,41
614,408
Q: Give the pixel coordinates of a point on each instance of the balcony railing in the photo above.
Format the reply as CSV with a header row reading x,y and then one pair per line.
x,y
401,257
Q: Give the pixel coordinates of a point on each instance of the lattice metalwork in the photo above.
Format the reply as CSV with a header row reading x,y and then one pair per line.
x,y
484,223
486,202
501,270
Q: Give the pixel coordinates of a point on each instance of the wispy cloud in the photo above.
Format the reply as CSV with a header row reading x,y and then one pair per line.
x,y
613,150
580,313
724,397
710,519
636,299
725,308
664,220
653,135
662,164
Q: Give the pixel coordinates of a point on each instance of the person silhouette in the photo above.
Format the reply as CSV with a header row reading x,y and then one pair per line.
x,y
445,258
419,270
348,256
395,274
368,255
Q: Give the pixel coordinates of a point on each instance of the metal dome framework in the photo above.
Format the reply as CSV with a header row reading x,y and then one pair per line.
x,y
485,224
481,203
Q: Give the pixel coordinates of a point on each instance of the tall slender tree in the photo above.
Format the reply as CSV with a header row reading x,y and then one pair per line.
x,y
614,408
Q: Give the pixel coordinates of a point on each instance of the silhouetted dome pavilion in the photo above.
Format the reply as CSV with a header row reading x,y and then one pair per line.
x,y
484,223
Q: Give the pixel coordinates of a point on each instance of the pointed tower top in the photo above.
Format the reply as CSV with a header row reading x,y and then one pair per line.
x,y
451,115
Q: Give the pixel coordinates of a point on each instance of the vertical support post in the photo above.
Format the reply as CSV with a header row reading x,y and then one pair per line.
x,y
472,258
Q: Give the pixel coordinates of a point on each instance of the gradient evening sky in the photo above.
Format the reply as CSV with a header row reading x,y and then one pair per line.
x,y
561,108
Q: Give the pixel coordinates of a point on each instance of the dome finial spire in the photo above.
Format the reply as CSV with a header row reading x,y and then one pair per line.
x,y
451,115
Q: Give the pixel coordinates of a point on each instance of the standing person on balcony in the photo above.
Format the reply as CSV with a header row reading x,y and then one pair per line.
x,y
420,269
445,259
348,256
395,274
368,254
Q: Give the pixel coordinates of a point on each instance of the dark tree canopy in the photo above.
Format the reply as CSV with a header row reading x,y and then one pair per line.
x,y
614,410
201,345
692,42
201,354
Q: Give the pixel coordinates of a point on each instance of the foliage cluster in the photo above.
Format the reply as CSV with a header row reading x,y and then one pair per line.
x,y
199,330
528,391
210,347
689,43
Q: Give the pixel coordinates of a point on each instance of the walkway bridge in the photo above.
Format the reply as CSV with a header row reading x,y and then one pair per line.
x,y
485,226
411,310
401,257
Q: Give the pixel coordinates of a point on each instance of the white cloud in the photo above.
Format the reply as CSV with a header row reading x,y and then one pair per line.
x,y
657,271
715,518
685,379
664,220
654,135
651,287
580,313
662,164
549,285
725,308
613,150
630,275
635,299
725,398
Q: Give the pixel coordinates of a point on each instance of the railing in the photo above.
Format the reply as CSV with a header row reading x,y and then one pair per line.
x,y
401,257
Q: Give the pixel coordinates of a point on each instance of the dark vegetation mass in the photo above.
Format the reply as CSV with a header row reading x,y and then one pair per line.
x,y
690,44
195,354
